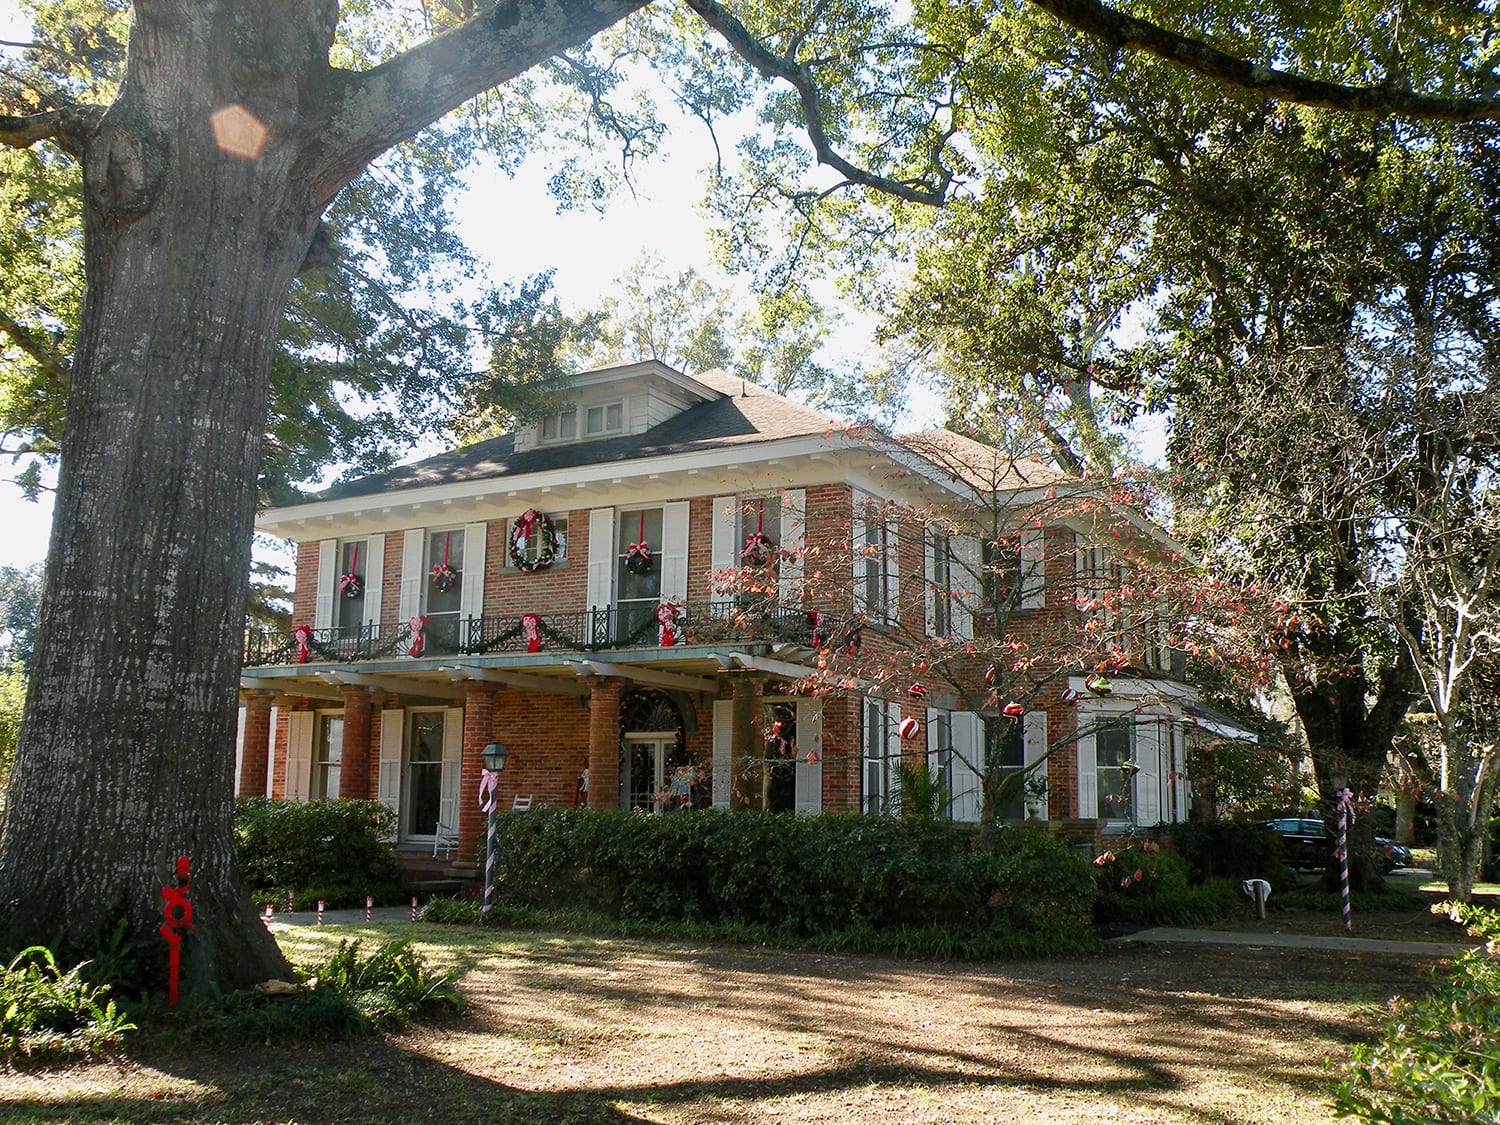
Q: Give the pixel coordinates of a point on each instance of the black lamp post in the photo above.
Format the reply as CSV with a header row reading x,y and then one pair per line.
x,y
494,761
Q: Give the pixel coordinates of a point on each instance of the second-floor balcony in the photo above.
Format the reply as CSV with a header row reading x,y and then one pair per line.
x,y
592,630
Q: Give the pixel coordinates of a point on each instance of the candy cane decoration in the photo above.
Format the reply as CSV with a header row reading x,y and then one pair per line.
x,y
531,625
302,634
816,619
289,900
369,907
666,617
413,908
418,641
489,782
320,912
1346,818
269,909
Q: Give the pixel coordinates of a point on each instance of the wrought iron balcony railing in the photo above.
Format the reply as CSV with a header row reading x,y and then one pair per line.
x,y
595,630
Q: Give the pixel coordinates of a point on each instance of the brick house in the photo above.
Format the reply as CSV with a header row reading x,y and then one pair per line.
x,y
502,592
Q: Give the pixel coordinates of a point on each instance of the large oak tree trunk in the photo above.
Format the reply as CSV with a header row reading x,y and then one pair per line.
x,y
128,740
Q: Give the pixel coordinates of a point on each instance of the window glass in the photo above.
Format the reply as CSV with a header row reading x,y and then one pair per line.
x,y
1114,747
349,587
424,773
444,549
942,586
1005,752
638,594
330,751
878,765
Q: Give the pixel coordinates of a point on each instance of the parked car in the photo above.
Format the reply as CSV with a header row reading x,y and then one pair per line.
x,y
1302,841
1396,855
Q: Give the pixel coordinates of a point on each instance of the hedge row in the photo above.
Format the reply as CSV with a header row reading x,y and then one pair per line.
x,y
797,876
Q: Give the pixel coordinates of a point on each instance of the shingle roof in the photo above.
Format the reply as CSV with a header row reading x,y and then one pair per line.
x,y
985,467
746,414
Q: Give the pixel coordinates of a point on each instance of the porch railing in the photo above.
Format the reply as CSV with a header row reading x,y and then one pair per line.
x,y
592,630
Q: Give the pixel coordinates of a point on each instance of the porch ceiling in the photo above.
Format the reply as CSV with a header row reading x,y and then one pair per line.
x,y
690,668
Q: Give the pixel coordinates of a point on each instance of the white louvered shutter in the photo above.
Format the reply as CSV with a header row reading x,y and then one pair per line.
x,y
723,750
299,748
1148,779
858,528
601,572
1034,745
674,557
413,570
392,740
328,576
809,783
965,574
892,568
1088,767
471,592
931,543
793,544
724,551
374,578
1033,568
968,764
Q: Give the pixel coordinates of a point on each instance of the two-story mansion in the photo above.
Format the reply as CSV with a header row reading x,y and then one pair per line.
x,y
574,590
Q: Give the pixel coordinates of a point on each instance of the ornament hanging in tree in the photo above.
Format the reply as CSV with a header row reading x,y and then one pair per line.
x,y
351,585
444,577
908,729
666,617
531,625
1013,710
638,558
528,522
1099,684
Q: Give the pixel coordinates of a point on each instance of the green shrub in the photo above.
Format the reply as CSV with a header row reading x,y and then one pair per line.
x,y
1438,1056
1143,885
451,911
44,1011
333,850
1228,849
805,879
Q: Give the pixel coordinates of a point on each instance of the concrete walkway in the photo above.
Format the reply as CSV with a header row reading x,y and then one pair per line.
x,y
1351,943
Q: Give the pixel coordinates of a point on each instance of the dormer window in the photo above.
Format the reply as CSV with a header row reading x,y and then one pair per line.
x,y
560,427
606,419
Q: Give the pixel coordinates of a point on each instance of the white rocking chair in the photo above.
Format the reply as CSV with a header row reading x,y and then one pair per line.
x,y
445,839
520,803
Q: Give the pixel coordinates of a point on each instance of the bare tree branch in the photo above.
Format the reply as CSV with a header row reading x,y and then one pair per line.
x,y
1387,100
72,58
54,365
770,65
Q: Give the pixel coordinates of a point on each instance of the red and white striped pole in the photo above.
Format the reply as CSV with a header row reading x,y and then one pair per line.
x,y
369,906
413,908
269,911
1346,818
289,900
320,912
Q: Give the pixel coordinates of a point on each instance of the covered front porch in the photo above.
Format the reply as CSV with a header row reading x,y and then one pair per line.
x,y
649,728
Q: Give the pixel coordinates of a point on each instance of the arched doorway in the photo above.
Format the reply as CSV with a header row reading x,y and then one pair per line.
x,y
656,773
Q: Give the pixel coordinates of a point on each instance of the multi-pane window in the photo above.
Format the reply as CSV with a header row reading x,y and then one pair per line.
x,y
942,585
328,757
757,548
560,427
443,586
349,592
638,588
1005,753
1001,561
879,763
606,419
1114,754
940,757
421,800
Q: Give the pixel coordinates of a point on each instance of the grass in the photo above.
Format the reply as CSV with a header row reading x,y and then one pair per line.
x,y
569,1029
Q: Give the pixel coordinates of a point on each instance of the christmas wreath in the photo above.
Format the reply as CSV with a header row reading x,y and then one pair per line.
x,y
757,548
444,577
638,558
520,537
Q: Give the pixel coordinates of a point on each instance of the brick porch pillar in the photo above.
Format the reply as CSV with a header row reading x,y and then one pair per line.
x,y
747,747
354,767
479,731
255,757
604,742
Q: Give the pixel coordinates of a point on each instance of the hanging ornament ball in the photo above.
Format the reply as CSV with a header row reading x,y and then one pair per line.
x,y
1098,684
1068,695
989,674
1013,710
917,691
909,729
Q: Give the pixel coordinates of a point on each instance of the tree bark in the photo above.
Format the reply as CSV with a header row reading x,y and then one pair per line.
x,y
191,242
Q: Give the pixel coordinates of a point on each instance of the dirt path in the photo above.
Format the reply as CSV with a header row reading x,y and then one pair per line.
x,y
566,1029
